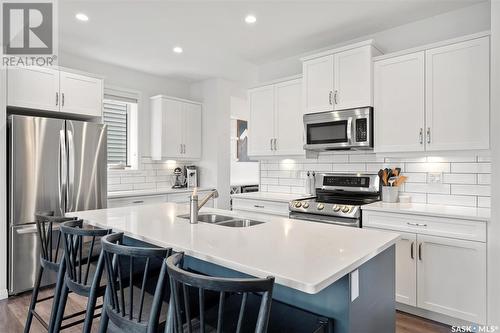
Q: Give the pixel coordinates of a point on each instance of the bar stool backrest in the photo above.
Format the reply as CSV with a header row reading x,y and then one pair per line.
x,y
48,226
79,247
182,281
128,266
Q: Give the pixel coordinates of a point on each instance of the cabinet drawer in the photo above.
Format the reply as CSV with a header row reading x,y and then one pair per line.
x,y
134,201
427,225
258,206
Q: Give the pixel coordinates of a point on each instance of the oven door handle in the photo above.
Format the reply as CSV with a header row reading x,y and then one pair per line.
x,y
304,216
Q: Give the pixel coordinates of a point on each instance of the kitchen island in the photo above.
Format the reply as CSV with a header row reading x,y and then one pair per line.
x,y
343,274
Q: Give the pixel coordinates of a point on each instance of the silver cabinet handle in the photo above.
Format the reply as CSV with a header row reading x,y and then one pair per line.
x,y
330,97
271,143
417,224
428,135
421,134
411,250
57,98
420,251
138,201
258,206
275,140
180,148
335,97
62,99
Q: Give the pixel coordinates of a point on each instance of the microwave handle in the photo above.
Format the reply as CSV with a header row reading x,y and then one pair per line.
x,y
350,130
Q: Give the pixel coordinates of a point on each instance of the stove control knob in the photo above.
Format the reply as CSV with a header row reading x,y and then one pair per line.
x,y
320,206
305,204
336,208
346,209
298,204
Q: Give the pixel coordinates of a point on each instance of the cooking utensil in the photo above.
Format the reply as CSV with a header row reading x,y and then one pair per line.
x,y
401,180
392,180
397,172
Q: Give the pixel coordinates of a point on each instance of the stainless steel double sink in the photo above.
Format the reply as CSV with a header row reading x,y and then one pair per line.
x,y
223,220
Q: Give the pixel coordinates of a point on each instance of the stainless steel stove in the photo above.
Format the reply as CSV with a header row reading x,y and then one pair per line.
x,y
338,200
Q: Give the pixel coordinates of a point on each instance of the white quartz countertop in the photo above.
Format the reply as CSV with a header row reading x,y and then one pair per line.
x,y
456,212
139,193
301,255
270,196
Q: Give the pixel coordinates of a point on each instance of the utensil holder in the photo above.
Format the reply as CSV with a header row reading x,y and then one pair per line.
x,y
390,193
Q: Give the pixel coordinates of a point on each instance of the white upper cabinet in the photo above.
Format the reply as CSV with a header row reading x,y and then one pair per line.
x,y
175,129
458,96
261,124
80,94
399,103
318,84
452,277
353,78
289,126
51,89
436,99
276,126
339,79
33,88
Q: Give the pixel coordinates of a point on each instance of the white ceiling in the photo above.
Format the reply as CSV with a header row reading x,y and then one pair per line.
x,y
216,41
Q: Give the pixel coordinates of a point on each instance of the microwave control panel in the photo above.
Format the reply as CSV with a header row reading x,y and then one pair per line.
x,y
361,130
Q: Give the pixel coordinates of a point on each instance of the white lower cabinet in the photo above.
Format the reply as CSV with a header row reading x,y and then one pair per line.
x,y
406,269
136,201
440,267
452,277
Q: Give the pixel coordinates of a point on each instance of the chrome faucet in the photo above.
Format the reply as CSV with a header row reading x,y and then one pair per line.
x,y
194,206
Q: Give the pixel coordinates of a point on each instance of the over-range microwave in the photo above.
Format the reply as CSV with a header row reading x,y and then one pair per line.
x,y
339,130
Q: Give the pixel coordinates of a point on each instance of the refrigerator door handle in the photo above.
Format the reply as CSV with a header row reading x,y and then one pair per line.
x,y
71,171
24,231
62,172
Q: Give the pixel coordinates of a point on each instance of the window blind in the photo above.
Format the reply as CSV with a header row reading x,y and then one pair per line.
x,y
116,117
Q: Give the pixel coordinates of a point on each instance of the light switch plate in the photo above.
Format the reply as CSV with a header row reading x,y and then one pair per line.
x,y
435,178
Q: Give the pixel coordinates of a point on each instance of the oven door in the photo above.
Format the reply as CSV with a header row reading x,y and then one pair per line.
x,y
348,222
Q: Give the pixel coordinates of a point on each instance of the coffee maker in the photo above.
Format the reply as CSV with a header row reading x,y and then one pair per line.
x,y
191,176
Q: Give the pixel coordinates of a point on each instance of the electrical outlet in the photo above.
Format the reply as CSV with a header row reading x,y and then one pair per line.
x,y
435,178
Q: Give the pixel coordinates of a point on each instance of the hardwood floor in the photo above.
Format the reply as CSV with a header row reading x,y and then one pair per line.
x,y
13,313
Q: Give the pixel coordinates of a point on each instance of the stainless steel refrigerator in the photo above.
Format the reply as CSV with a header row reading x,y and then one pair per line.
x,y
53,165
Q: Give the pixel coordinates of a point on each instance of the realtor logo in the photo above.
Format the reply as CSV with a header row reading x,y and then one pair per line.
x,y
28,28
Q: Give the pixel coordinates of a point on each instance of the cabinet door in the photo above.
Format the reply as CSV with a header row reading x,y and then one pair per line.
x,y
318,84
81,94
261,125
289,126
33,88
458,95
172,128
399,104
353,78
406,269
452,277
192,131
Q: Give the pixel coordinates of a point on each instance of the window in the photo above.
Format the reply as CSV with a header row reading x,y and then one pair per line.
x,y
120,114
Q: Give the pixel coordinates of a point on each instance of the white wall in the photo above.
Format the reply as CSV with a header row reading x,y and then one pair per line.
x,y
147,85
456,23
215,94
494,226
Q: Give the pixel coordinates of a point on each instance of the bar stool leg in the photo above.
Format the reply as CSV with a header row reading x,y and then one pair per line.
x,y
34,298
60,309
57,295
103,326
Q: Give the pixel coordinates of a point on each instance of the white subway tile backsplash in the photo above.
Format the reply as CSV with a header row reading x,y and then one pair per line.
x,y
465,178
120,187
459,178
471,167
480,190
454,200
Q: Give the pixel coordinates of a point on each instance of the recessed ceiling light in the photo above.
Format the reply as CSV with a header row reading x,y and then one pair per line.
x,y
178,49
250,19
82,17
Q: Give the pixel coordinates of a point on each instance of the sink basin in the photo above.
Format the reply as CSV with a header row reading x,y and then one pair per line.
x,y
241,223
209,218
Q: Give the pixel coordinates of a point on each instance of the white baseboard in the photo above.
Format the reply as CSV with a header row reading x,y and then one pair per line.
x,y
4,294
432,315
